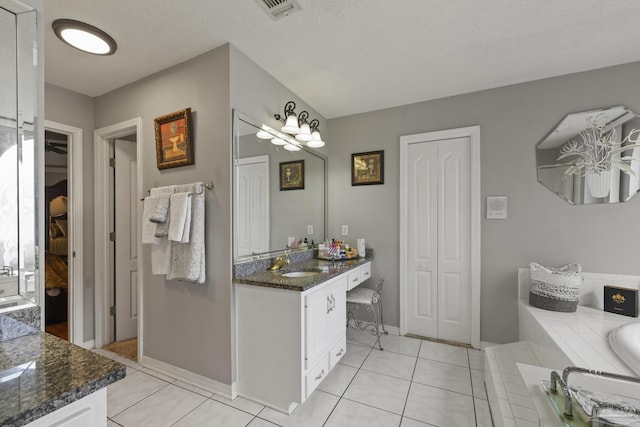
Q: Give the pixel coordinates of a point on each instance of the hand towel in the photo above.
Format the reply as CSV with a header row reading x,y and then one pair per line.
x,y
162,229
161,208
180,212
161,249
148,227
188,259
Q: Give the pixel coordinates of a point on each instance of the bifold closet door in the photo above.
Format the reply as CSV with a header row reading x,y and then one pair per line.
x,y
438,239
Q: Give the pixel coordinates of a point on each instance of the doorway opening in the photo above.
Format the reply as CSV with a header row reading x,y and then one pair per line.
x,y
118,209
63,263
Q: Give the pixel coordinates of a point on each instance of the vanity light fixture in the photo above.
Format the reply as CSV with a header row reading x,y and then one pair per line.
x,y
291,147
84,37
278,141
315,141
290,119
298,125
263,134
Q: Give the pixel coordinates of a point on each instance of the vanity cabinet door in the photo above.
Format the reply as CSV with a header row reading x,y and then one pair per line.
x,y
317,307
337,316
326,314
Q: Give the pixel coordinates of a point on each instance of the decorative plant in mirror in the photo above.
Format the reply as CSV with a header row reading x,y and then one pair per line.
x,y
600,150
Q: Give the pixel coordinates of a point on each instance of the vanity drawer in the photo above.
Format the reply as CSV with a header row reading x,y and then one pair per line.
x,y
316,375
365,272
353,279
8,286
337,351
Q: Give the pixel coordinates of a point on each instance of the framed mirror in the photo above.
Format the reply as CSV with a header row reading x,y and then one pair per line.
x,y
279,190
592,157
18,226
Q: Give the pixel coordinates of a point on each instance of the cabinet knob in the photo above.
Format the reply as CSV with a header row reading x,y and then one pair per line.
x,y
320,375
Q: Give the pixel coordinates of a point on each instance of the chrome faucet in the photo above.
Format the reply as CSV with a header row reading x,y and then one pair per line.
x,y
279,263
6,271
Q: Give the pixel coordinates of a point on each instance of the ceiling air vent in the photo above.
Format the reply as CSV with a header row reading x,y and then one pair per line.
x,y
279,8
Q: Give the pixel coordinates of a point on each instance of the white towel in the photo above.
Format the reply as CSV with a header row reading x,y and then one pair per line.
x,y
180,226
188,259
161,248
160,208
162,229
148,227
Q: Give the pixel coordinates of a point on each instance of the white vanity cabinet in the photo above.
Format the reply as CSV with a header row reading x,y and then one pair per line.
x,y
288,340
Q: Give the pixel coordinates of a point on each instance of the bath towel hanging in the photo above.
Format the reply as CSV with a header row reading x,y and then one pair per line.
x,y
188,259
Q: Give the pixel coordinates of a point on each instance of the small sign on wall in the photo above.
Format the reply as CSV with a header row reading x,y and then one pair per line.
x,y
497,207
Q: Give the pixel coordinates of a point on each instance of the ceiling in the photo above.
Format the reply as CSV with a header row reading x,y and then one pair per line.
x,y
351,56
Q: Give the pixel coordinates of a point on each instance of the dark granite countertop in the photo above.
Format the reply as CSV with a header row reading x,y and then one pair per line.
x,y
40,373
275,279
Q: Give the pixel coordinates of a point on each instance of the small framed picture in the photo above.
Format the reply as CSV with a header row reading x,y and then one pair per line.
x,y
367,168
173,139
292,175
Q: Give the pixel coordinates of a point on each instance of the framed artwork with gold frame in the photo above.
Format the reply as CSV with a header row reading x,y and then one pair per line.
x,y
173,139
292,175
367,168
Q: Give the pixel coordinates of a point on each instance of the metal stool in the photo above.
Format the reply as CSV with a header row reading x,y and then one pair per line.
x,y
371,300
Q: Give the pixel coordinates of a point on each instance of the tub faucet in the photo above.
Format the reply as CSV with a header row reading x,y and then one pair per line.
x,y
7,271
279,263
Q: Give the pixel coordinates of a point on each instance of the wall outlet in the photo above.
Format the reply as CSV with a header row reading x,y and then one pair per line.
x,y
309,229
345,230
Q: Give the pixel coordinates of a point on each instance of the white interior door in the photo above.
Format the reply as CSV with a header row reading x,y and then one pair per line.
x,y
438,285
253,205
126,244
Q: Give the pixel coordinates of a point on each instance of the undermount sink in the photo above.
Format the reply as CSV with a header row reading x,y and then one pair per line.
x,y
307,273
625,342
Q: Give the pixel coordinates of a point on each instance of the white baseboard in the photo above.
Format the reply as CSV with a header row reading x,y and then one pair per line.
x,y
392,330
213,386
88,344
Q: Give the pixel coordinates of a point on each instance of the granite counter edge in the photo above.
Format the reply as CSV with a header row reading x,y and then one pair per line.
x,y
65,399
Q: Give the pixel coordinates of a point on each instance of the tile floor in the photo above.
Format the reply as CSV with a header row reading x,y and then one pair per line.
x,y
411,383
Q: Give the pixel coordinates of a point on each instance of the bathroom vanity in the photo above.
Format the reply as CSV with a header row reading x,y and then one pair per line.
x,y
291,331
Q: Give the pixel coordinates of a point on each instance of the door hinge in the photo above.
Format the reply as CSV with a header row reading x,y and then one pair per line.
x,y
73,254
112,236
112,162
112,310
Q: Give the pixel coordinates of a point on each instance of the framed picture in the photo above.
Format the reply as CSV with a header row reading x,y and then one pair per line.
x,y
292,175
367,168
173,139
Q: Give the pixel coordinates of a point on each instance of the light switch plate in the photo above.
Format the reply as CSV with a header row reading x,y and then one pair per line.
x,y
345,230
309,229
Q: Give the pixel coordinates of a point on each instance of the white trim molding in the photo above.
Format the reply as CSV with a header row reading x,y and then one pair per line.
x,y
207,384
103,272
76,228
473,133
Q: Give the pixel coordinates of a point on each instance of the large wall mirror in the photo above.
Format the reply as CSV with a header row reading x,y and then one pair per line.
x,y
592,157
18,226
277,193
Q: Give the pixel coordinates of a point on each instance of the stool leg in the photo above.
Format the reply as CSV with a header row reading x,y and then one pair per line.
x,y
381,317
376,324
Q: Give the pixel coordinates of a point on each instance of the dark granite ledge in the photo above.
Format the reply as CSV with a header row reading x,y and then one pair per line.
x,y
329,269
40,373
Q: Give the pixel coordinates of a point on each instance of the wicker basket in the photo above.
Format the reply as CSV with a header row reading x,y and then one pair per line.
x,y
556,289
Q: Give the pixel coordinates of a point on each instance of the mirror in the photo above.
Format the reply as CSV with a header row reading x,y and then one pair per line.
x,y
18,83
592,157
277,193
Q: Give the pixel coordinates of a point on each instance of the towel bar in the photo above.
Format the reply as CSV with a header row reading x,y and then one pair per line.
x,y
208,185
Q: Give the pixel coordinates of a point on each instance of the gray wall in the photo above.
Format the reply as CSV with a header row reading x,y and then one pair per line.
x,y
541,227
73,109
187,325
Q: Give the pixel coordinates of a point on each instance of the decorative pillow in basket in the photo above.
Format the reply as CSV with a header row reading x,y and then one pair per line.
x,y
555,289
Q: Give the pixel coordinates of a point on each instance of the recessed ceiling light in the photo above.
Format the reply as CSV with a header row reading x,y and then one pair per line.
x,y
84,37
